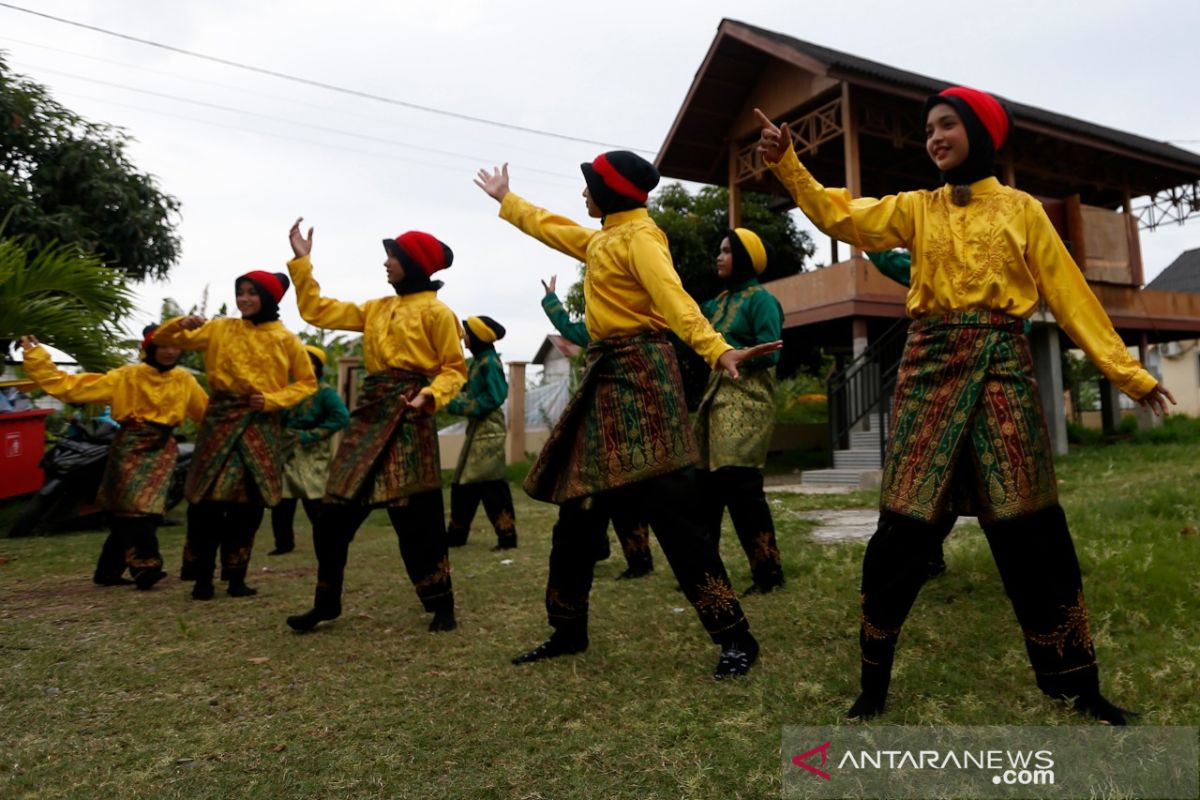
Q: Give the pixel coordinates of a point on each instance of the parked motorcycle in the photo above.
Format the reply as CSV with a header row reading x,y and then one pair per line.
x,y
73,469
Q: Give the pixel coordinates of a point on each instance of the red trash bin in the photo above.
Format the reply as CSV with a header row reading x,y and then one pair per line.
x,y
22,442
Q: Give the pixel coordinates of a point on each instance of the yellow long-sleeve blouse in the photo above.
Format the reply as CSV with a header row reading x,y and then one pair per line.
x,y
631,285
243,358
999,252
414,332
136,392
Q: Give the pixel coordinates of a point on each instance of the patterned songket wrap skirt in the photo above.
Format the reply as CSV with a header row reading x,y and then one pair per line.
x,y
968,435
237,456
141,462
628,422
389,452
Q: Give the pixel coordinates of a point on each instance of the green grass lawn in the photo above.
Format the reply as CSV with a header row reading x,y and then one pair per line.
x,y
116,693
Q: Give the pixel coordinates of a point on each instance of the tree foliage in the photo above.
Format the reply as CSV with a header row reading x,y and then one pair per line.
x,y
68,179
64,297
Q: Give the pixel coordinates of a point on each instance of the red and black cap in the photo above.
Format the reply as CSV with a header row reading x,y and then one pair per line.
x,y
420,250
988,123
619,180
269,284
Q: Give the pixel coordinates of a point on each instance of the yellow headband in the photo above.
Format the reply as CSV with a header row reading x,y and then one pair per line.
x,y
317,353
754,248
482,332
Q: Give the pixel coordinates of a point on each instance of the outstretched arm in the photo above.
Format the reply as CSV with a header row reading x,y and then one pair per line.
x,y
561,233
872,224
574,332
86,387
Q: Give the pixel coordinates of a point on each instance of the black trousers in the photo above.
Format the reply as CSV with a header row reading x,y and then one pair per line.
x,y
634,535
213,526
740,489
1041,576
283,516
496,497
131,543
420,527
670,503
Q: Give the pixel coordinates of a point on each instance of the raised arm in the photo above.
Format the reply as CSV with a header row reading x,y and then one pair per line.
x,y
564,235
574,332
869,223
1080,314
324,312
86,387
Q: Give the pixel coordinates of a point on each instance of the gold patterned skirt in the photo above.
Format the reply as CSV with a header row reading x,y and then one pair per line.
x,y
306,468
968,435
482,456
736,419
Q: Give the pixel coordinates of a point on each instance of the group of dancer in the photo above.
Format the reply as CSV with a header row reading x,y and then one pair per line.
x,y
968,435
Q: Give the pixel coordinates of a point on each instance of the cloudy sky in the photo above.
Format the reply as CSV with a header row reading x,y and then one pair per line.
x,y
246,154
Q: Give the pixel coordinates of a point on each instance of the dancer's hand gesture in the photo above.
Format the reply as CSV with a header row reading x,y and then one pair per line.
x,y
192,322
549,287
774,141
495,182
730,359
300,246
1156,400
422,402
28,342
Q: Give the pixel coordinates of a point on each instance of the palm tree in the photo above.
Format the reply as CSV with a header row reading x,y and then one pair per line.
x,y
66,298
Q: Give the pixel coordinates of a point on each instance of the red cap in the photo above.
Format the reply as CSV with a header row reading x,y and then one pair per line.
x,y
425,250
988,109
268,281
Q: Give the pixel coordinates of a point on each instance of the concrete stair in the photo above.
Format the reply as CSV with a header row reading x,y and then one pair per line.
x,y
857,466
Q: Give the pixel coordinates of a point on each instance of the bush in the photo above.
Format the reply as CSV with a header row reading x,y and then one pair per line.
x,y
1082,435
1128,425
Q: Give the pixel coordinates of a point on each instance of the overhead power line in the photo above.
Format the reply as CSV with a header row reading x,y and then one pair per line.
x,y
318,84
287,120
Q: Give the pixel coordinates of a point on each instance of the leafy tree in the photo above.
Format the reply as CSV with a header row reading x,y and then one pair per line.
x,y
65,178
64,297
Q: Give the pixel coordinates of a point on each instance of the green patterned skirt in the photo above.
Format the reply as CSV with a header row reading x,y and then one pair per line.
x,y
482,456
306,468
736,419
968,435
388,453
626,423
138,474
237,454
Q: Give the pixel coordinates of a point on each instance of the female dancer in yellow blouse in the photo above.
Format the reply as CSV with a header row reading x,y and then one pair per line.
x,y
968,435
149,400
236,469
388,457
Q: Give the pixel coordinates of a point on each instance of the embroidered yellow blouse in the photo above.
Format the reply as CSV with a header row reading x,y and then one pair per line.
x,y
136,392
243,358
415,332
999,252
631,285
